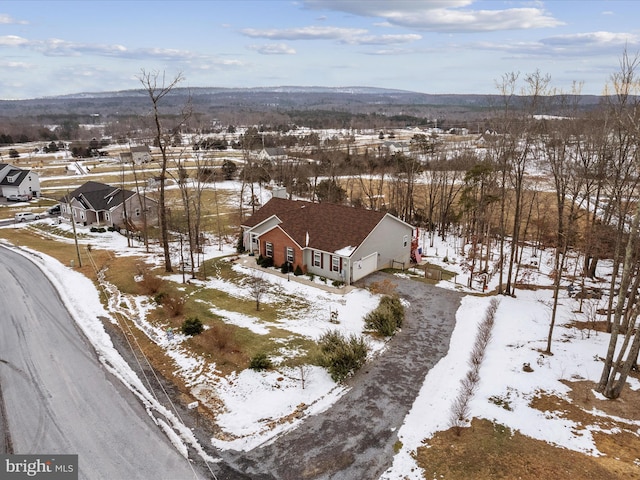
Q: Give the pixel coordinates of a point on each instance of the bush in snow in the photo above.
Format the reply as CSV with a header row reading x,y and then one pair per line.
x,y
342,356
286,267
264,262
192,326
387,317
260,361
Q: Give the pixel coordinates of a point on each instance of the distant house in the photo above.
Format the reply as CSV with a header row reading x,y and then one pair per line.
x,y
99,204
17,181
334,241
393,148
272,154
136,155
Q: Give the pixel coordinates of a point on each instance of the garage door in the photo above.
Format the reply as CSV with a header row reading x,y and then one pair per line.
x,y
365,266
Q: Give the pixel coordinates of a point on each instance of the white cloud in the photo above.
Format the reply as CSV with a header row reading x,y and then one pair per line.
x,y
380,8
572,45
16,65
442,15
13,41
7,20
349,36
382,39
593,39
55,47
273,49
305,33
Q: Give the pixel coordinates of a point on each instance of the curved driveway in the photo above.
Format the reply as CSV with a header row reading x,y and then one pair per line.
x,y
55,395
354,438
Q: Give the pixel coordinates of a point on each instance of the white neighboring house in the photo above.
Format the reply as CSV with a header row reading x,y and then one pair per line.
x,y
392,148
17,181
272,154
137,155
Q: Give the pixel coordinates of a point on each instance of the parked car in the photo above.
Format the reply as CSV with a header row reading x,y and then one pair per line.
x,y
24,216
54,211
18,198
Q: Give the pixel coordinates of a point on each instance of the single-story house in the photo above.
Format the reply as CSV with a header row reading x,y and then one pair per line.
x,y
17,181
393,148
334,241
272,154
99,204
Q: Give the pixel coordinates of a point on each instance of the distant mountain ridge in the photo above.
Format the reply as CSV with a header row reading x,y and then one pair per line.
x,y
223,103
225,90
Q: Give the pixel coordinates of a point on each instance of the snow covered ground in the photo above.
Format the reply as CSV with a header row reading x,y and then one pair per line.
x,y
519,335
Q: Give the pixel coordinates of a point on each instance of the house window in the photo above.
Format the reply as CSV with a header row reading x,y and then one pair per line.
x,y
335,264
82,215
405,240
106,216
137,212
317,259
289,254
268,249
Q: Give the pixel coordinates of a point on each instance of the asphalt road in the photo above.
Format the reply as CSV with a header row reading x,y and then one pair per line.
x,y
354,439
55,396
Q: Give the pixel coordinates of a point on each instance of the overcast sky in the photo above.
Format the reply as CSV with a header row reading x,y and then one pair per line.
x,y
431,46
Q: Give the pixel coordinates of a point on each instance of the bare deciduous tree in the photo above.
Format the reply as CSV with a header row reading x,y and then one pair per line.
x,y
158,87
258,286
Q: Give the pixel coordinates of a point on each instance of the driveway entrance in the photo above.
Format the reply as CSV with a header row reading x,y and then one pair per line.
x,y
354,438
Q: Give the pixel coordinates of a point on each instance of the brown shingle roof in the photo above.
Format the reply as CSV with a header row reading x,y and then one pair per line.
x,y
330,227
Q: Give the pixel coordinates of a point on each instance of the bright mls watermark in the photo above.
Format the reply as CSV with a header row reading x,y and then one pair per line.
x,y
49,467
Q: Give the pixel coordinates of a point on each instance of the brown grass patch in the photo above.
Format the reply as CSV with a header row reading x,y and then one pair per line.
x,y
627,406
174,306
491,451
598,326
220,345
384,287
150,283
619,441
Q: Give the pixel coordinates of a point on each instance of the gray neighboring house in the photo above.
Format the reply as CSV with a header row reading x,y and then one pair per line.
x,y
17,181
333,241
99,204
136,155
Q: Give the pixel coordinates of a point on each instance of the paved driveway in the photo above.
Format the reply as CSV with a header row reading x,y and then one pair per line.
x,y
354,438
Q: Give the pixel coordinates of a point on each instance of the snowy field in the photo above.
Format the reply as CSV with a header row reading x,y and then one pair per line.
x,y
519,335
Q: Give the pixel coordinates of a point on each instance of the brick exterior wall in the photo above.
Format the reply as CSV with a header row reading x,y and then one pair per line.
x,y
280,242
